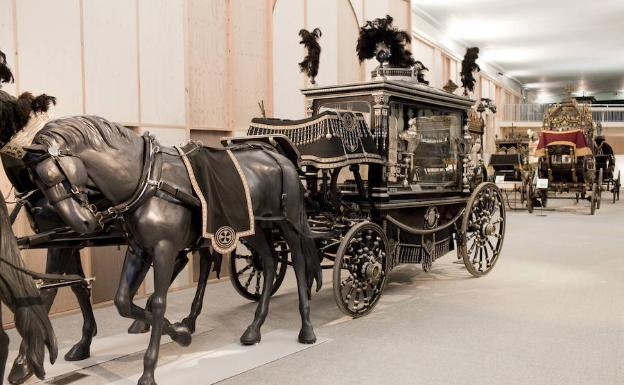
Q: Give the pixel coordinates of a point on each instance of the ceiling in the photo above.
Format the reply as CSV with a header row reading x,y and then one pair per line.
x,y
546,44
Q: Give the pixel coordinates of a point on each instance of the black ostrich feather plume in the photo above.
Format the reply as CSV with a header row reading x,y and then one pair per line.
x,y
15,113
420,69
310,63
381,34
6,76
469,66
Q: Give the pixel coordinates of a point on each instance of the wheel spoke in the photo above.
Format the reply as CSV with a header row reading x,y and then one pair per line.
x,y
244,269
253,272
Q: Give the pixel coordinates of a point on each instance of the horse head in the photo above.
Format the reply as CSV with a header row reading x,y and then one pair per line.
x,y
83,164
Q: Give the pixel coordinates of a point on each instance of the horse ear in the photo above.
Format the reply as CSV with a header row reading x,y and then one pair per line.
x,y
42,103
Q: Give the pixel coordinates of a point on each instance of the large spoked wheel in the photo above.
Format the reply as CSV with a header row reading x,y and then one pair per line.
x,y
483,229
360,269
247,272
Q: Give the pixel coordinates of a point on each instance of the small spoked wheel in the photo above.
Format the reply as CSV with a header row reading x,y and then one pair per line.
x,y
483,229
530,197
616,188
594,199
360,269
600,178
247,272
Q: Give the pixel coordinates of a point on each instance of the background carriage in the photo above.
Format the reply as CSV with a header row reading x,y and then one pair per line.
x,y
566,162
605,164
509,168
389,177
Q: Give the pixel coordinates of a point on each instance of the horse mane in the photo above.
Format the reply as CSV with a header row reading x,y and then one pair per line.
x,y
93,131
19,293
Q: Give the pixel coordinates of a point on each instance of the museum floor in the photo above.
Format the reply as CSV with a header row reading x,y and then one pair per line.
x,y
551,312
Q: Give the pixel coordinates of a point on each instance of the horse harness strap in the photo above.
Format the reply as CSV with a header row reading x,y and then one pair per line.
x,y
150,183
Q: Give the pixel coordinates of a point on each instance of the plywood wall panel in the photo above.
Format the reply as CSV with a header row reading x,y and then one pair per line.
x,y
161,41
106,263
247,20
49,51
324,15
348,25
168,136
287,52
110,54
208,63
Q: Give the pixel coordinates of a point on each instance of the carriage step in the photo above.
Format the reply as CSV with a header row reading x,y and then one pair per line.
x,y
42,285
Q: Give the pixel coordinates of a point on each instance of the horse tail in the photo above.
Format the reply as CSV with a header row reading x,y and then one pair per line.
x,y
308,246
295,213
19,293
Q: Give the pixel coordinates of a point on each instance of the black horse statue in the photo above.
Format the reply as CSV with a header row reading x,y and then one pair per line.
x,y
19,293
16,116
152,194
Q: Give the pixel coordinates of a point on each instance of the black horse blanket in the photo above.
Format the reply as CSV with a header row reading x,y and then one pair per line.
x,y
222,189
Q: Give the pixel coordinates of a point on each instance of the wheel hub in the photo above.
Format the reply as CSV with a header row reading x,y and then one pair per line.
x,y
488,229
372,270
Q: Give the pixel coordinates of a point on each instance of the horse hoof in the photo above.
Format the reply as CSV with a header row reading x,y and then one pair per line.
x,y
146,380
180,334
251,336
306,335
138,327
190,324
20,372
78,352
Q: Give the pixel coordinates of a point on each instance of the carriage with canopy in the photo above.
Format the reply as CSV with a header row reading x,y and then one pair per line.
x,y
388,172
566,161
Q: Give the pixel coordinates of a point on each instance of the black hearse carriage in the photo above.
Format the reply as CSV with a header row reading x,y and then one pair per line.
x,y
388,169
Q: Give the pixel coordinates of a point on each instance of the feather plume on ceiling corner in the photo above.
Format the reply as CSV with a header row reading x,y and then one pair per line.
x,y
469,66
381,34
6,76
310,63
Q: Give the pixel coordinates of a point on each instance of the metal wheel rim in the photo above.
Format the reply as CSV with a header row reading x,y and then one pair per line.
x,y
483,229
355,294
593,200
244,276
600,178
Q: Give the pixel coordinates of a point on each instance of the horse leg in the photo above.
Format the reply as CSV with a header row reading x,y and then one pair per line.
x,y
137,326
81,350
4,348
163,272
261,243
306,334
134,265
21,371
205,264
